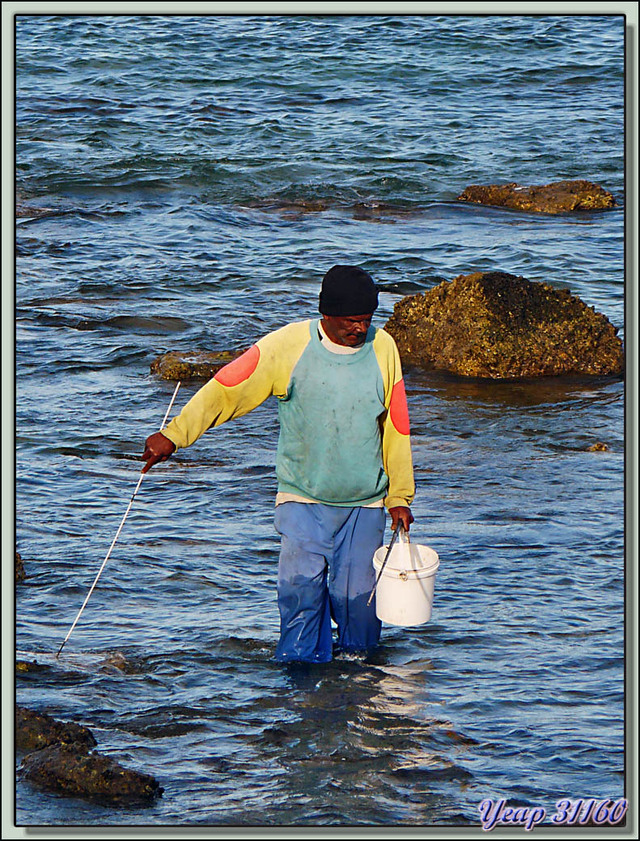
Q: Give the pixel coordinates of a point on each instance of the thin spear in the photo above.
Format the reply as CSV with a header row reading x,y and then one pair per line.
x,y
126,513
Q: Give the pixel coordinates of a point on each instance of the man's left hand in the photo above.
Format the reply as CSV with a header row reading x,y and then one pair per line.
x,y
401,514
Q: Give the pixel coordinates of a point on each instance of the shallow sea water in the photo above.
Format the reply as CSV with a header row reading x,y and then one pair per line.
x,y
184,182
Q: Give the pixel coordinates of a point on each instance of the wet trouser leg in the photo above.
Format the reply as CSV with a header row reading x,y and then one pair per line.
x,y
326,571
352,577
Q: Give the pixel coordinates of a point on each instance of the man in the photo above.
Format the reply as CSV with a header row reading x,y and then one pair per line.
x,y
343,455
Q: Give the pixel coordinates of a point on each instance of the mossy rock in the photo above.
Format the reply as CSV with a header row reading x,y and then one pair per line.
x,y
195,365
558,197
499,326
64,770
29,666
38,730
59,758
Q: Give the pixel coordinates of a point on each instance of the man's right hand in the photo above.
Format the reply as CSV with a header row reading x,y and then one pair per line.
x,y
157,448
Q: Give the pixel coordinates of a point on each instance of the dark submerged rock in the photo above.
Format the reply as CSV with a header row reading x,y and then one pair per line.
x,y
499,326
195,365
39,730
20,573
61,768
558,197
24,210
297,205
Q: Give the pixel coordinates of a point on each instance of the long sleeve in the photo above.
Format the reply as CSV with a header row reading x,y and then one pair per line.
x,y
242,385
396,441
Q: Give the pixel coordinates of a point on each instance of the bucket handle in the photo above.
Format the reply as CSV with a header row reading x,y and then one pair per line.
x,y
406,538
386,557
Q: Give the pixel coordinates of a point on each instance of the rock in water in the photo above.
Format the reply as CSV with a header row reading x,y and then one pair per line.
x,y
559,197
62,760
25,666
39,730
20,573
499,326
194,365
62,769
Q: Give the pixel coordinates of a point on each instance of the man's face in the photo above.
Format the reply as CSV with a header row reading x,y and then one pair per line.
x,y
348,330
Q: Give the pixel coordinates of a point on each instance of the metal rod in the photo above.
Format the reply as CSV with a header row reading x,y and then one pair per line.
x,y
386,558
113,543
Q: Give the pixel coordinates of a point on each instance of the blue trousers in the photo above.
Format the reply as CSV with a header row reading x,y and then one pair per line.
x,y
326,572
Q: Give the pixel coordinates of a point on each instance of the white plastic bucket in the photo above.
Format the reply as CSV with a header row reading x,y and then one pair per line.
x,y
404,595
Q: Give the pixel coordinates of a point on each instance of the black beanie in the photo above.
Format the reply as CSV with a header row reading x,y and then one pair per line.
x,y
348,290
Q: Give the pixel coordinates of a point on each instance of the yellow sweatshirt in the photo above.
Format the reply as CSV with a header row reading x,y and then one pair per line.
x,y
344,424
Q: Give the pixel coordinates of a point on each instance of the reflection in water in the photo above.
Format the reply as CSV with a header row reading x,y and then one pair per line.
x,y
546,391
362,727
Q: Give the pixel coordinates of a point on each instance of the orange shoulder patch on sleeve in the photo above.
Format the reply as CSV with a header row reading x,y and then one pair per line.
x,y
240,369
398,408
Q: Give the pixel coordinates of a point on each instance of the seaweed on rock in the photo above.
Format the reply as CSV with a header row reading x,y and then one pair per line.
x,y
499,326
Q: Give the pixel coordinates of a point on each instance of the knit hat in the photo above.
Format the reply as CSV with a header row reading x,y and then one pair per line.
x,y
348,290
